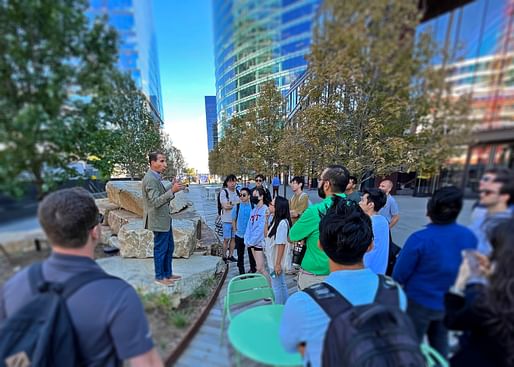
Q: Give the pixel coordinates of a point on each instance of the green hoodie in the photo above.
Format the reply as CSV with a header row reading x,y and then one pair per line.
x,y
307,227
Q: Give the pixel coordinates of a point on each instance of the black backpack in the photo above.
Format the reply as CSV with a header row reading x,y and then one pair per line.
x,y
220,208
41,332
378,334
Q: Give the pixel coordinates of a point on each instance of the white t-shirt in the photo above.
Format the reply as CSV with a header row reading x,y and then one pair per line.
x,y
226,214
280,239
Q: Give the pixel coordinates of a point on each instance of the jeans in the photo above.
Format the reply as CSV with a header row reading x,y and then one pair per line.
x,y
163,247
278,283
240,248
430,322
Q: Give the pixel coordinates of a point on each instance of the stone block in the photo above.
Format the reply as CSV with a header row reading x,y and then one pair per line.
x,y
120,217
185,236
104,207
129,196
106,235
126,194
135,241
22,241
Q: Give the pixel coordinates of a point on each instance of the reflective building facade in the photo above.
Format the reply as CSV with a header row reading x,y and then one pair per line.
x,y
137,47
210,122
257,41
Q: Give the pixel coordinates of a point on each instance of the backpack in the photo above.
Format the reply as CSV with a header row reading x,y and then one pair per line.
x,y
237,209
220,207
378,334
41,332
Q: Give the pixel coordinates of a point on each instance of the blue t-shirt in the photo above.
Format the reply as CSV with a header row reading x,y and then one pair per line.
x,y
377,258
243,216
429,262
390,209
304,321
275,181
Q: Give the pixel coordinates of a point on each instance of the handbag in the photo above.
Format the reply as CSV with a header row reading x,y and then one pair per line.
x,y
218,226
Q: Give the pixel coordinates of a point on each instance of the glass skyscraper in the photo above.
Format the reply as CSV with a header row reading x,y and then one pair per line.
x,y
210,122
257,41
137,47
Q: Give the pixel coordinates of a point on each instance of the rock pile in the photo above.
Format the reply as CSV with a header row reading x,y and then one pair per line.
x,y
123,211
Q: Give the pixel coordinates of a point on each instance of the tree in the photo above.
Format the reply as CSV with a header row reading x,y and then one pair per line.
x,y
176,162
371,88
53,68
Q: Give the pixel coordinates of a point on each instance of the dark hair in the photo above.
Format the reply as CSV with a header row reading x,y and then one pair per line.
x,y
507,187
281,212
337,175
499,299
152,156
345,232
247,190
445,205
67,216
377,197
260,191
260,176
231,177
299,180
353,179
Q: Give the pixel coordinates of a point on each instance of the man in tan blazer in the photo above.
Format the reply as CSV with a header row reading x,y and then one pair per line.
x,y
157,217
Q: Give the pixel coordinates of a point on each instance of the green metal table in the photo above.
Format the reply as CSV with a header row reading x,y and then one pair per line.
x,y
255,334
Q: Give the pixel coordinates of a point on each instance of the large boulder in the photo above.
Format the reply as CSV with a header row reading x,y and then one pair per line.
x,y
118,218
126,194
135,241
106,235
105,207
129,196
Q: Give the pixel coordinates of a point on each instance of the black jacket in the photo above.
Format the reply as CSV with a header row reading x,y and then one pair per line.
x,y
478,345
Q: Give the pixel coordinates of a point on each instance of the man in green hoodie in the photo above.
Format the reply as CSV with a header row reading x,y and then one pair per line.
x,y
314,267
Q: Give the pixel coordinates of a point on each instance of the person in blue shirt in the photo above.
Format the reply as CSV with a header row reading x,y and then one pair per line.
x,y
429,263
345,236
371,202
276,184
240,218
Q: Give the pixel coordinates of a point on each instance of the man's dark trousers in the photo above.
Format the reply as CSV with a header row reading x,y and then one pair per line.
x,y
163,253
240,247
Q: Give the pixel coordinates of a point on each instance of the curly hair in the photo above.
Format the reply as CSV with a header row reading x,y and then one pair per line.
x,y
499,297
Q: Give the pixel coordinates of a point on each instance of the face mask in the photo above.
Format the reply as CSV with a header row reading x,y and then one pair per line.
x,y
321,192
255,199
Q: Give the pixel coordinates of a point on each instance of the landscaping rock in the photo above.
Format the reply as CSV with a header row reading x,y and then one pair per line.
x,y
114,242
106,235
105,207
135,241
126,194
120,217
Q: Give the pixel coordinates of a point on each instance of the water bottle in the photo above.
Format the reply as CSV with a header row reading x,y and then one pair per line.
x,y
298,253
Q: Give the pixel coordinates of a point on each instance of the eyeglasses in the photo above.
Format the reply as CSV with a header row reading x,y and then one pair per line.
x,y
488,192
99,219
487,178
258,180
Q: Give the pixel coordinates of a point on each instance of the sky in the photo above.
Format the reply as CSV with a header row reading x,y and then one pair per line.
x,y
185,46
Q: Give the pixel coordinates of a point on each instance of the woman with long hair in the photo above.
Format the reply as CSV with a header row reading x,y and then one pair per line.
x,y
254,234
277,246
481,304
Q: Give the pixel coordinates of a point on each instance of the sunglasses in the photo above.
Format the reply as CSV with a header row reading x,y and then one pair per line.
x,y
99,219
488,192
243,195
259,180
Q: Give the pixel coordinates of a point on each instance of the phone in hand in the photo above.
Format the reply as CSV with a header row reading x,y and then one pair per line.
x,y
472,259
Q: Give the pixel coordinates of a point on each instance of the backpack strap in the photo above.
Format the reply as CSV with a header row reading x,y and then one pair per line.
x,y
237,211
387,291
329,299
39,284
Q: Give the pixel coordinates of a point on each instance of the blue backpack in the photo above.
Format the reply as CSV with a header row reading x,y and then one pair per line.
x,y
41,332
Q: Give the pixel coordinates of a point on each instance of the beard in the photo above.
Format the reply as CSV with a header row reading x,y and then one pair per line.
x,y
321,193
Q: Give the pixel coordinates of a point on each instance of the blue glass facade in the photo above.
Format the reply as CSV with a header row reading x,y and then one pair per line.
x,y
137,44
210,122
257,41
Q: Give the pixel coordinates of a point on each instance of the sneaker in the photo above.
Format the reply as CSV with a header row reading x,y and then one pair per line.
x,y
252,271
224,258
233,259
163,282
174,278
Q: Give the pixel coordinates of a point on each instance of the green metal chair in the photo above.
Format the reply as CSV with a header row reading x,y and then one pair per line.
x,y
432,357
245,288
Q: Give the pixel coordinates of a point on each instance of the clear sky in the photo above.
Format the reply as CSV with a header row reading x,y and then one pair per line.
x,y
186,61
